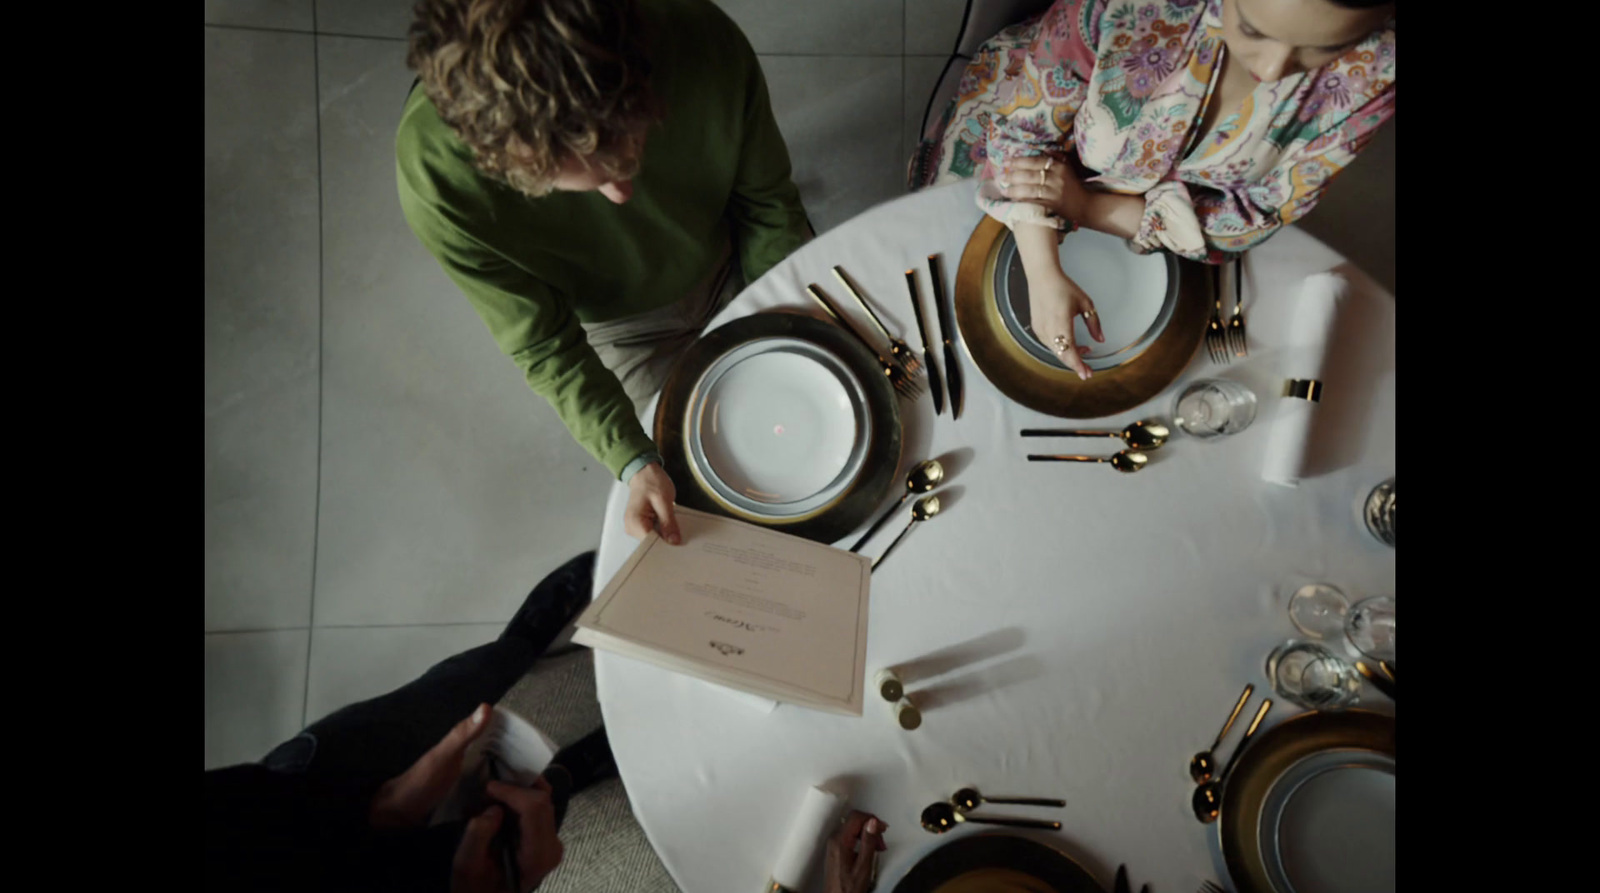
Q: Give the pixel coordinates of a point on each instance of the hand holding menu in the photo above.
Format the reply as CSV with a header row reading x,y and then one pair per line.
x,y
741,606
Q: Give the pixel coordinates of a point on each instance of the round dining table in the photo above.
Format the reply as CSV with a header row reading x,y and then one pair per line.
x,y
1066,630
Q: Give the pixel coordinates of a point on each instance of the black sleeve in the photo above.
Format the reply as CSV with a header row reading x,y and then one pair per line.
x,y
269,830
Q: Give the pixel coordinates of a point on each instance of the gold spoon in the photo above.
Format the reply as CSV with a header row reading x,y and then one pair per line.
x,y
1207,800
968,799
921,510
941,817
1139,435
1126,461
1200,768
923,477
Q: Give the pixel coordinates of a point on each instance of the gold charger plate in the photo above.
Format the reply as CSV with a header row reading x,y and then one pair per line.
x,y
1272,754
997,862
856,504
1058,392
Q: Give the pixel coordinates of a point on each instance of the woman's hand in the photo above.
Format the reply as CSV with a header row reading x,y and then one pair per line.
x,y
1053,301
650,496
1046,182
849,868
1064,195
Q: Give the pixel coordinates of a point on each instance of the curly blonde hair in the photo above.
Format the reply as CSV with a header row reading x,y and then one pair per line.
x,y
527,84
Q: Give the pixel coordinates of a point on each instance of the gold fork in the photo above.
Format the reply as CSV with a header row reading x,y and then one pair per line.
x,y
902,383
1216,332
1236,339
901,351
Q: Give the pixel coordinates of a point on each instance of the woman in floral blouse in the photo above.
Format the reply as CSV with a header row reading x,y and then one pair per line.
x,y
1195,126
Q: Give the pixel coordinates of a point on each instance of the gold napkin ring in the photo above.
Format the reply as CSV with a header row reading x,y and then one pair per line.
x,y
1304,389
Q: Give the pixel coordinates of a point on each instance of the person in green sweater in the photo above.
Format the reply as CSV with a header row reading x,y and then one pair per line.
x,y
597,176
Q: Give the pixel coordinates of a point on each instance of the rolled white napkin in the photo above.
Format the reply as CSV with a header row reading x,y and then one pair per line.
x,y
1307,348
817,815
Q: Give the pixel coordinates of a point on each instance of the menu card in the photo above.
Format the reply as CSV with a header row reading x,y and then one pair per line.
x,y
741,606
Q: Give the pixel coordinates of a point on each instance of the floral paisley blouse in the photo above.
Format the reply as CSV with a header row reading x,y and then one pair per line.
x,y
1125,81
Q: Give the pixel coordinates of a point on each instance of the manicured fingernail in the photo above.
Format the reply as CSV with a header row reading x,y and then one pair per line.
x,y
479,714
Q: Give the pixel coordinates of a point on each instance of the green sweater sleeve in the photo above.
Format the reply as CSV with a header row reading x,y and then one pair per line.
x,y
767,215
535,326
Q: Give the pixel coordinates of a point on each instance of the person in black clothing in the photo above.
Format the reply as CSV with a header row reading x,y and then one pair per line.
x,y
344,805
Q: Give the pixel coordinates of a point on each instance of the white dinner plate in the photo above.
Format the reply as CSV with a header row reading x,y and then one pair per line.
x,y
778,427
1328,824
1134,295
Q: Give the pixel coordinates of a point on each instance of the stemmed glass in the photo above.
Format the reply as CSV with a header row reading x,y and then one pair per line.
x,y
1318,610
1369,628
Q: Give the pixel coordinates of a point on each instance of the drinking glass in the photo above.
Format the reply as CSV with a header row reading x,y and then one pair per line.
x,y
1370,627
1318,610
1308,674
1213,407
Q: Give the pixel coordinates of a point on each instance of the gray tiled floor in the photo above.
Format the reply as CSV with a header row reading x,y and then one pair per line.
x,y
261,329
381,487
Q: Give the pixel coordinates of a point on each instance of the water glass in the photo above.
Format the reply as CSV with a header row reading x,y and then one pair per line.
x,y
1213,407
1319,610
1308,674
1370,627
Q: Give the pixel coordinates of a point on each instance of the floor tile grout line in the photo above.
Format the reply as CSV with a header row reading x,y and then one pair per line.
x,y
905,90
342,34
316,505
271,30
328,626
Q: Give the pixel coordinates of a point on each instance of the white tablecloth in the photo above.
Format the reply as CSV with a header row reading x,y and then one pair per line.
x,y
1089,630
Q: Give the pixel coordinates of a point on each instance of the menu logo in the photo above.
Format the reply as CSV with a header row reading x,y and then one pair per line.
x,y
727,649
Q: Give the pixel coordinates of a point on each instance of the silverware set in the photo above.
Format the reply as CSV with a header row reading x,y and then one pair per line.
x,y
924,476
934,383
1207,799
1226,340
900,350
943,815
1139,437
947,327
904,384
903,368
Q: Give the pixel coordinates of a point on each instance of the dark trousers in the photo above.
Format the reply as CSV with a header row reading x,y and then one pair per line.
x,y
375,740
